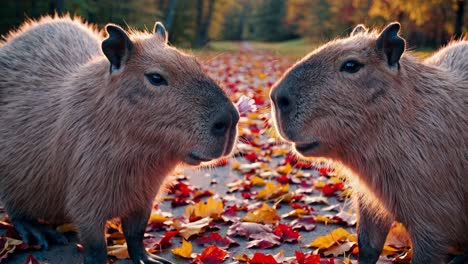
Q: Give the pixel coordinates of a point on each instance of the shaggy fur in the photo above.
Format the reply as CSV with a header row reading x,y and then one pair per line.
x,y
398,128
82,143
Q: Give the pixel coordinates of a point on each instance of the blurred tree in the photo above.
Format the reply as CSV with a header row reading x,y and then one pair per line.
x,y
194,23
460,11
170,14
204,16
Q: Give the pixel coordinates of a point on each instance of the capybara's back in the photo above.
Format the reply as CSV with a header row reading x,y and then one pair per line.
x,y
35,63
91,127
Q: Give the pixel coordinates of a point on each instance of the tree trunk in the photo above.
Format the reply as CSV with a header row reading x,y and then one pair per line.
x,y
170,15
459,19
199,23
203,26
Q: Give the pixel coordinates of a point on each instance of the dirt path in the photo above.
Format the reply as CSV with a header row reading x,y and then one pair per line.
x,y
260,159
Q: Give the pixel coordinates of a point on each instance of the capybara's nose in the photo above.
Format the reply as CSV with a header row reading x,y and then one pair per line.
x,y
222,123
282,100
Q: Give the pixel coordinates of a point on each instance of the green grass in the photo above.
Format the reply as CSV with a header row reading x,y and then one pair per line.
x,y
296,49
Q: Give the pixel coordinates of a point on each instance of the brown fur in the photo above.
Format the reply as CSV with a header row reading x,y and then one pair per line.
x,y
400,131
79,143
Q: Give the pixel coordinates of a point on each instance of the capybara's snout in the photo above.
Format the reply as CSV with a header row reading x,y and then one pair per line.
x,y
284,108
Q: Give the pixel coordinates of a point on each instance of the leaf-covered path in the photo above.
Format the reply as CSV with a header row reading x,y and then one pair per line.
x,y
261,202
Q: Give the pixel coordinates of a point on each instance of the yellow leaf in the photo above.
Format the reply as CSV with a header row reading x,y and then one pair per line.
x,y
257,181
184,251
118,251
264,215
211,208
286,169
335,180
346,193
337,235
277,151
65,228
272,191
253,115
261,75
235,165
325,219
389,250
242,258
157,218
296,213
319,184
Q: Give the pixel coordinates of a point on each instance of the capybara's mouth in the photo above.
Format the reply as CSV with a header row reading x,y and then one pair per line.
x,y
195,159
306,148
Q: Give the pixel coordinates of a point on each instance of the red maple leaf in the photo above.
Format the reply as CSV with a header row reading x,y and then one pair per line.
x,y
286,233
260,258
211,255
301,258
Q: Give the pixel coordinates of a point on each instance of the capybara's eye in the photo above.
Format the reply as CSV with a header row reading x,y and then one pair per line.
x,y
351,66
156,79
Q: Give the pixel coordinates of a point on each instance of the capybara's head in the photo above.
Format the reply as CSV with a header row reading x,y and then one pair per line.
x,y
334,95
165,99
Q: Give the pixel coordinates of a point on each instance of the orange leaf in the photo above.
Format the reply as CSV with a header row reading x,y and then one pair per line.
x,y
264,215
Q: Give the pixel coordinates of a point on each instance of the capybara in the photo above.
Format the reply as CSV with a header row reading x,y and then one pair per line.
x,y
397,125
90,128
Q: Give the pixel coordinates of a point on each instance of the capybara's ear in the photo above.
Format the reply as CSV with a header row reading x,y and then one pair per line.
x,y
160,30
358,29
391,43
117,46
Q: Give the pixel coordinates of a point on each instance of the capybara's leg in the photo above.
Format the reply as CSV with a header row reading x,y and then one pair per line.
x,y
134,226
94,243
428,248
33,232
461,259
372,232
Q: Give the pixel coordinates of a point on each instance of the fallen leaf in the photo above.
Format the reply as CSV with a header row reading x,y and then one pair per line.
x,y
118,251
248,229
286,233
187,230
302,258
216,239
304,223
31,260
211,255
264,215
184,251
338,235
211,208
339,249
260,258
272,191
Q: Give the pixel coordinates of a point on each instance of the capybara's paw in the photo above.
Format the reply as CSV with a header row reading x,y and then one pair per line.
x,y
35,233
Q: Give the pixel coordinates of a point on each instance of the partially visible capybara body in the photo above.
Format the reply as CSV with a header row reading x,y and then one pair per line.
x,y
398,125
89,130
